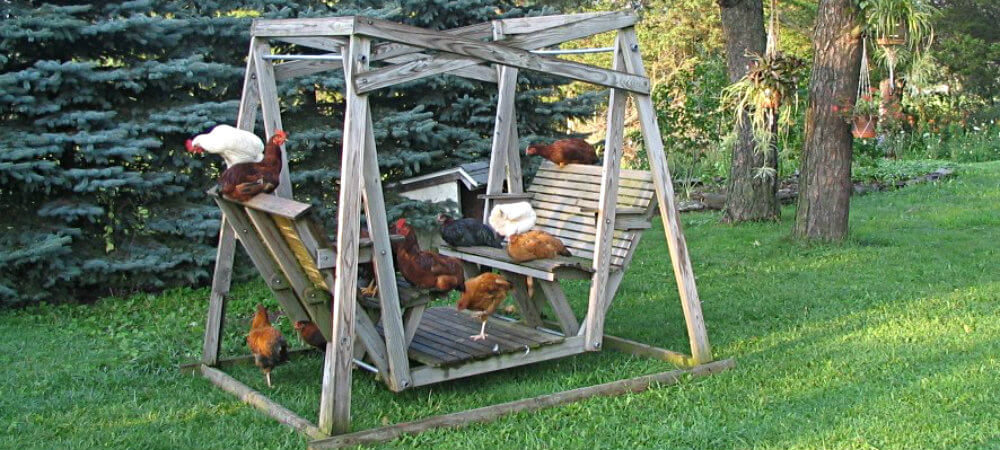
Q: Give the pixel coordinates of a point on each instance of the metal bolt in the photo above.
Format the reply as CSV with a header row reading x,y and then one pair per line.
x,y
253,76
245,231
608,220
634,47
363,58
382,252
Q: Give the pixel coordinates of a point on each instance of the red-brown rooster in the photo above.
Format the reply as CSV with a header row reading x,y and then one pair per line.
x,y
483,294
310,334
266,343
241,182
565,151
426,270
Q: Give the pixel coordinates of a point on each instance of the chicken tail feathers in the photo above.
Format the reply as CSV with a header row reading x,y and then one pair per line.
x,y
565,252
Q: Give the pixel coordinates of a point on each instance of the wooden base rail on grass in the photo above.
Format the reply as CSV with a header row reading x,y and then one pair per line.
x,y
259,401
487,413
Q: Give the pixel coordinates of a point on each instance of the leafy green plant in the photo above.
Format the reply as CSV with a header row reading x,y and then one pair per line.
x,y
899,21
867,104
763,91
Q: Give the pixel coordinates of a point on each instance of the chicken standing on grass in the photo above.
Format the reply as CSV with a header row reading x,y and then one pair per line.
x,y
310,334
483,294
266,343
565,151
467,232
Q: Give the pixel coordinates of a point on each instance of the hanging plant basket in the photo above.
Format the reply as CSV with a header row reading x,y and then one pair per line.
x,y
892,39
864,126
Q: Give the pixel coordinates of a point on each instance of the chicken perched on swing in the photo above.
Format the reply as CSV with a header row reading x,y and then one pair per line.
x,y
483,294
242,180
565,151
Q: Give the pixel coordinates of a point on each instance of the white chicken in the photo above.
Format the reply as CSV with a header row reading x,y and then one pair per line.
x,y
236,146
512,218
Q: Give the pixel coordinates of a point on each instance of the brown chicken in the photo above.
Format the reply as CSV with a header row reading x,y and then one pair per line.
x,y
266,343
242,181
426,270
535,244
483,294
310,334
565,151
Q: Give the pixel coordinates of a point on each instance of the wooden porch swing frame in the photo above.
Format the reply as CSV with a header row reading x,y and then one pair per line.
x,y
466,52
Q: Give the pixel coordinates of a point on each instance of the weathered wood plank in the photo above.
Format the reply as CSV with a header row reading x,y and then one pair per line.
x,y
515,177
549,185
243,360
385,272
328,43
502,265
613,148
564,313
648,351
335,402
221,280
259,401
593,171
701,350
278,248
411,321
530,313
526,25
279,206
367,333
261,258
506,96
294,69
430,375
270,111
493,412
511,54
328,26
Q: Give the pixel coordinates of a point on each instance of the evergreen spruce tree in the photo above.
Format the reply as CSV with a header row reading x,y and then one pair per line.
x,y
98,193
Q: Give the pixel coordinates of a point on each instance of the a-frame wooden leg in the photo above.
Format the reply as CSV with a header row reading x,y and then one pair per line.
x,y
613,147
270,111
385,273
530,313
499,159
701,351
226,252
557,300
335,401
221,280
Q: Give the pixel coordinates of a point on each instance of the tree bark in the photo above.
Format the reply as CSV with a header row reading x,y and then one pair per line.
x,y
751,197
825,180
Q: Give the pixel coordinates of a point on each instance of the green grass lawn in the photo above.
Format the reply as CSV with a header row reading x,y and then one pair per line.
x,y
891,340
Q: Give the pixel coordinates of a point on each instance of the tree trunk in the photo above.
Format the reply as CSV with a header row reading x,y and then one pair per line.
x,y
825,180
751,197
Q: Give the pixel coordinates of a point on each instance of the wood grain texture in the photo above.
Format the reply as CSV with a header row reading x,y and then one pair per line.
x,y
493,412
327,43
648,351
221,281
385,272
701,350
557,300
531,315
262,260
330,26
513,53
613,147
259,401
514,174
335,402
429,375
270,110
499,151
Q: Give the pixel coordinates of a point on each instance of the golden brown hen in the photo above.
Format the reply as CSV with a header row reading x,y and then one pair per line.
x,y
483,294
535,244
565,151
266,343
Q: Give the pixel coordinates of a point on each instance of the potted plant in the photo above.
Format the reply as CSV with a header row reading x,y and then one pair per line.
x,y
771,80
864,114
895,22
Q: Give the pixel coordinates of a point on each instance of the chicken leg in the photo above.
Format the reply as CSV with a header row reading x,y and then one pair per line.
x,y
267,375
482,334
371,290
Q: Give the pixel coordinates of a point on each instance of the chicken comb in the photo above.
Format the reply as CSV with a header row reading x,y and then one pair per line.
x,y
279,136
189,145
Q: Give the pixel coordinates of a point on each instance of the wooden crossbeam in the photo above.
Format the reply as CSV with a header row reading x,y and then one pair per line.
x,y
514,53
328,26
329,43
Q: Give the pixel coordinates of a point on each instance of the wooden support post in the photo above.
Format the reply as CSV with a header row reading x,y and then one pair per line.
x,y
493,412
515,179
224,256
385,273
530,313
221,280
700,348
501,135
335,402
557,300
613,147
254,398
271,112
